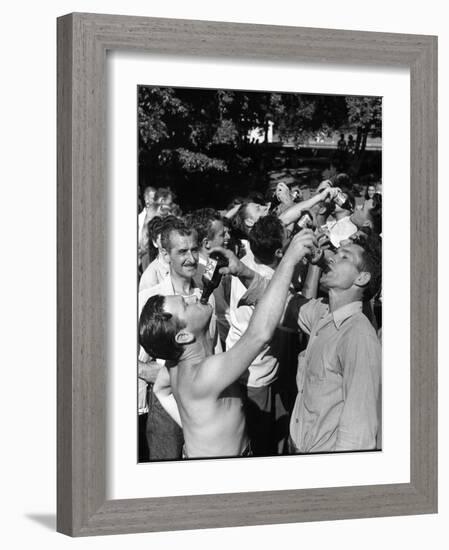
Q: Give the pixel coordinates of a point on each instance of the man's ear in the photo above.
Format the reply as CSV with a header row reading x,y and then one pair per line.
x,y
184,337
205,244
363,278
278,254
165,255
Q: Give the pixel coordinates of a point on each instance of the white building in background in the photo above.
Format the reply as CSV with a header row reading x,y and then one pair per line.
x,y
257,135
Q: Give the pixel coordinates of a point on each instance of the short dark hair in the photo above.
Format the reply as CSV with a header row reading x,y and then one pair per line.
x,y
235,201
342,180
177,225
201,220
372,263
256,196
158,329
241,230
266,236
163,193
155,226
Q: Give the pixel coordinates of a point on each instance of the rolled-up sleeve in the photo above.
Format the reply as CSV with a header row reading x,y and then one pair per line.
x,y
310,313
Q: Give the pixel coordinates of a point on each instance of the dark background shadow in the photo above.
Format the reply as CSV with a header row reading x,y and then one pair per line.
x,y
47,520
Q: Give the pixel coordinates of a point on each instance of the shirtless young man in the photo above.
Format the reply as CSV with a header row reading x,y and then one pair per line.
x,y
204,385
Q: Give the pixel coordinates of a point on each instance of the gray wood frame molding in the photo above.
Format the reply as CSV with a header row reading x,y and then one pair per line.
x,y
83,40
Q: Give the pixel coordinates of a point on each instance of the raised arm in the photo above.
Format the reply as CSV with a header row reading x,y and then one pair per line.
x,y
293,213
219,371
235,267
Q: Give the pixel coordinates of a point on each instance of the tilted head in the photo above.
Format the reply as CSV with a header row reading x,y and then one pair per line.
x,y
355,268
168,323
296,193
351,200
247,216
371,217
209,227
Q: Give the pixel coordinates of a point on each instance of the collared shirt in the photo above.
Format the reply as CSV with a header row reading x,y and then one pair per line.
x,y
339,377
154,274
263,370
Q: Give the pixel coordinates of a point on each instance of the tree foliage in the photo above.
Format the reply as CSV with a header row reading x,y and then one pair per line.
x,y
186,134
365,114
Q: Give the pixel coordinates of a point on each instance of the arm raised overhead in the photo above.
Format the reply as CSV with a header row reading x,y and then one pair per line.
x,y
219,371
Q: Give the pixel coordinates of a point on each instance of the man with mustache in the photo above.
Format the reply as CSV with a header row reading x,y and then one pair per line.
x,y
180,251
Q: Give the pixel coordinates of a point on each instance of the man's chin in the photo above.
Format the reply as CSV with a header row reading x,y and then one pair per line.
x,y
324,281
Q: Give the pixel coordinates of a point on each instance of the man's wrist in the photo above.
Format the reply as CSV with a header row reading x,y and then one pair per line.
x,y
246,272
290,261
324,194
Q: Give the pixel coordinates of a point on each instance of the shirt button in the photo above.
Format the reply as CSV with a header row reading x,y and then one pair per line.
x,y
296,420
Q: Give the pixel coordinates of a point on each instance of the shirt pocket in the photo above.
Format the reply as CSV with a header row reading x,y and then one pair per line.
x,y
316,369
323,364
331,362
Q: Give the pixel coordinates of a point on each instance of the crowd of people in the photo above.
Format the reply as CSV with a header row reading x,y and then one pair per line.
x,y
284,356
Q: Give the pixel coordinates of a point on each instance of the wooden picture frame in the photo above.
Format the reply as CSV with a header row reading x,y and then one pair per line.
x,y
83,40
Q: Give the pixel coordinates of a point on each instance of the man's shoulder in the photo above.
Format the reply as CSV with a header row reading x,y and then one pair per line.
x,y
311,313
149,270
315,305
358,326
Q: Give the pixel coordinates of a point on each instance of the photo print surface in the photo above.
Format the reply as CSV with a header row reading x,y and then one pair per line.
x,y
259,235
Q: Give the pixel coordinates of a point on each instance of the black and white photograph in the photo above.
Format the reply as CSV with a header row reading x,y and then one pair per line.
x,y
259,247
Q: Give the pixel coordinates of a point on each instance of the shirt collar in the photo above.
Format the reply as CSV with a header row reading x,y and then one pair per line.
x,y
167,285
342,313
